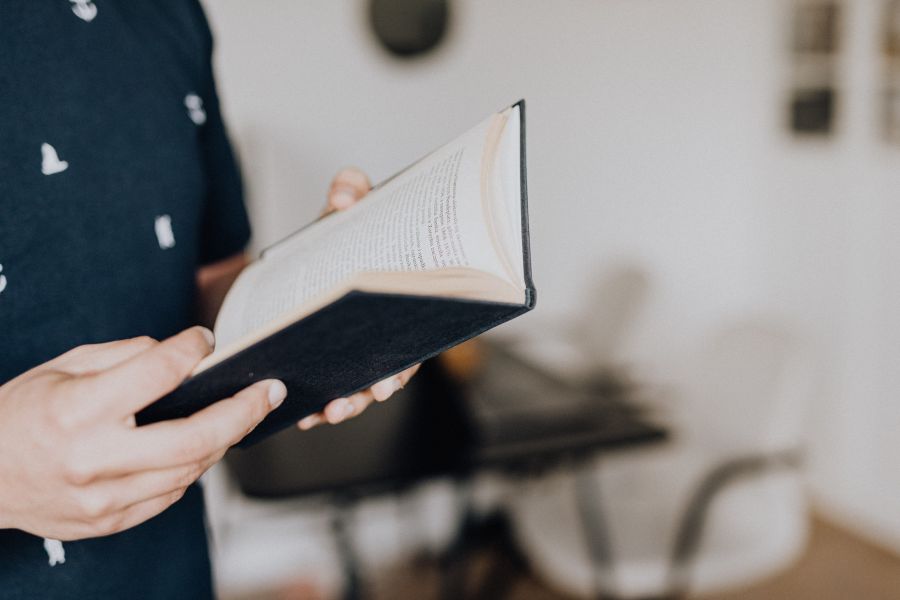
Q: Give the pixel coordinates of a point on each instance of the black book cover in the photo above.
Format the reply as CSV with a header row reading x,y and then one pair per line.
x,y
347,346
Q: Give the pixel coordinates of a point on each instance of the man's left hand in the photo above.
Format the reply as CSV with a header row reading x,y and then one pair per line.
x,y
348,187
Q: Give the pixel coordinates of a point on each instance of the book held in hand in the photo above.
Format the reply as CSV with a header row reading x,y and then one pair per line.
x,y
433,256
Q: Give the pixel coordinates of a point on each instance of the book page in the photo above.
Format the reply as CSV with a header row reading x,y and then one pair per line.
x,y
427,218
501,192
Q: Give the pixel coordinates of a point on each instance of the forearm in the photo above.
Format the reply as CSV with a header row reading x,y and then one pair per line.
x,y
213,282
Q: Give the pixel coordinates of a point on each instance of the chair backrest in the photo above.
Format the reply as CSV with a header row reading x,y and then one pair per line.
x,y
750,389
614,301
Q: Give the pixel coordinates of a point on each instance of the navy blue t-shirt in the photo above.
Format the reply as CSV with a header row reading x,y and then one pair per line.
x,y
116,182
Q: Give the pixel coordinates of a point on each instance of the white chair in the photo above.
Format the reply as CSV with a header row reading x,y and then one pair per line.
x,y
588,347
719,507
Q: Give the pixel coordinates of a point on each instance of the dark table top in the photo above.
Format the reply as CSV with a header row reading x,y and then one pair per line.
x,y
511,417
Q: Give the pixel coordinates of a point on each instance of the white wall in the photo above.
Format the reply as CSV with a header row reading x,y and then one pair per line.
x,y
832,259
655,139
639,149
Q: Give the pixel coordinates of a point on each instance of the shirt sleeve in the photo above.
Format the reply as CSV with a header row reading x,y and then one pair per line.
x,y
225,226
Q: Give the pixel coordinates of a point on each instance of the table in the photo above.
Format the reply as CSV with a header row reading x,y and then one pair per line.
x,y
511,417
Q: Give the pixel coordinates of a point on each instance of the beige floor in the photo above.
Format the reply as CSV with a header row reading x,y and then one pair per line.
x,y
836,566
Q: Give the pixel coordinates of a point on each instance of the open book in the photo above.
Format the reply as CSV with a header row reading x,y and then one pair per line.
x,y
433,256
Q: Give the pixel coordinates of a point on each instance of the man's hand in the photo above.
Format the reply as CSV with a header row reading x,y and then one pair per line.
x,y
72,462
347,188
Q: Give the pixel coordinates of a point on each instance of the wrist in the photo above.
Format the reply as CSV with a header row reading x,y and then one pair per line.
x,y
6,519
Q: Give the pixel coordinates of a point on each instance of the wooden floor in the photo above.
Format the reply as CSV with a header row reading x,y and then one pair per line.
x,y
836,566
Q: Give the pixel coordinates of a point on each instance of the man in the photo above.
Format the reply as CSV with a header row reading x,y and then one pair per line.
x,y
121,223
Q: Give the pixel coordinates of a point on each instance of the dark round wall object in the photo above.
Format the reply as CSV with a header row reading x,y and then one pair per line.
x,y
409,28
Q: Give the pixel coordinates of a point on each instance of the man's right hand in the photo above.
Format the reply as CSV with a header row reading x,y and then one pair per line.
x,y
72,462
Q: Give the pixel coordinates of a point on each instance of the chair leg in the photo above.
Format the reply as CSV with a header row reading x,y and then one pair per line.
x,y
506,562
593,520
454,561
690,530
478,532
340,529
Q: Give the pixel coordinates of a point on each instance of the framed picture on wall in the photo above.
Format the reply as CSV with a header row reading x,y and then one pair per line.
x,y
816,25
892,114
891,72
892,29
812,110
812,99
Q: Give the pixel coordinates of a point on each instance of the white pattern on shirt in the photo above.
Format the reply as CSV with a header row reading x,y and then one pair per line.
x,y
50,163
56,554
194,104
85,10
164,234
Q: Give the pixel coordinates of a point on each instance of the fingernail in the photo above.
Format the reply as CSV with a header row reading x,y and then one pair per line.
x,y
210,337
339,412
309,422
387,388
349,409
342,199
277,393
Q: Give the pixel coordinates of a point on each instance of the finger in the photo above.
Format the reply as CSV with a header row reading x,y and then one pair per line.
x,y
313,420
397,383
383,390
143,378
213,429
360,402
406,375
138,513
337,410
138,487
353,178
98,357
345,408
347,188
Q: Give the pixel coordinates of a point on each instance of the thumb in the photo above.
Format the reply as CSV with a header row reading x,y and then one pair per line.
x,y
347,188
138,381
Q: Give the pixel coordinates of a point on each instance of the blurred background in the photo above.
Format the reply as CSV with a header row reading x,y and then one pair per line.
x,y
704,402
